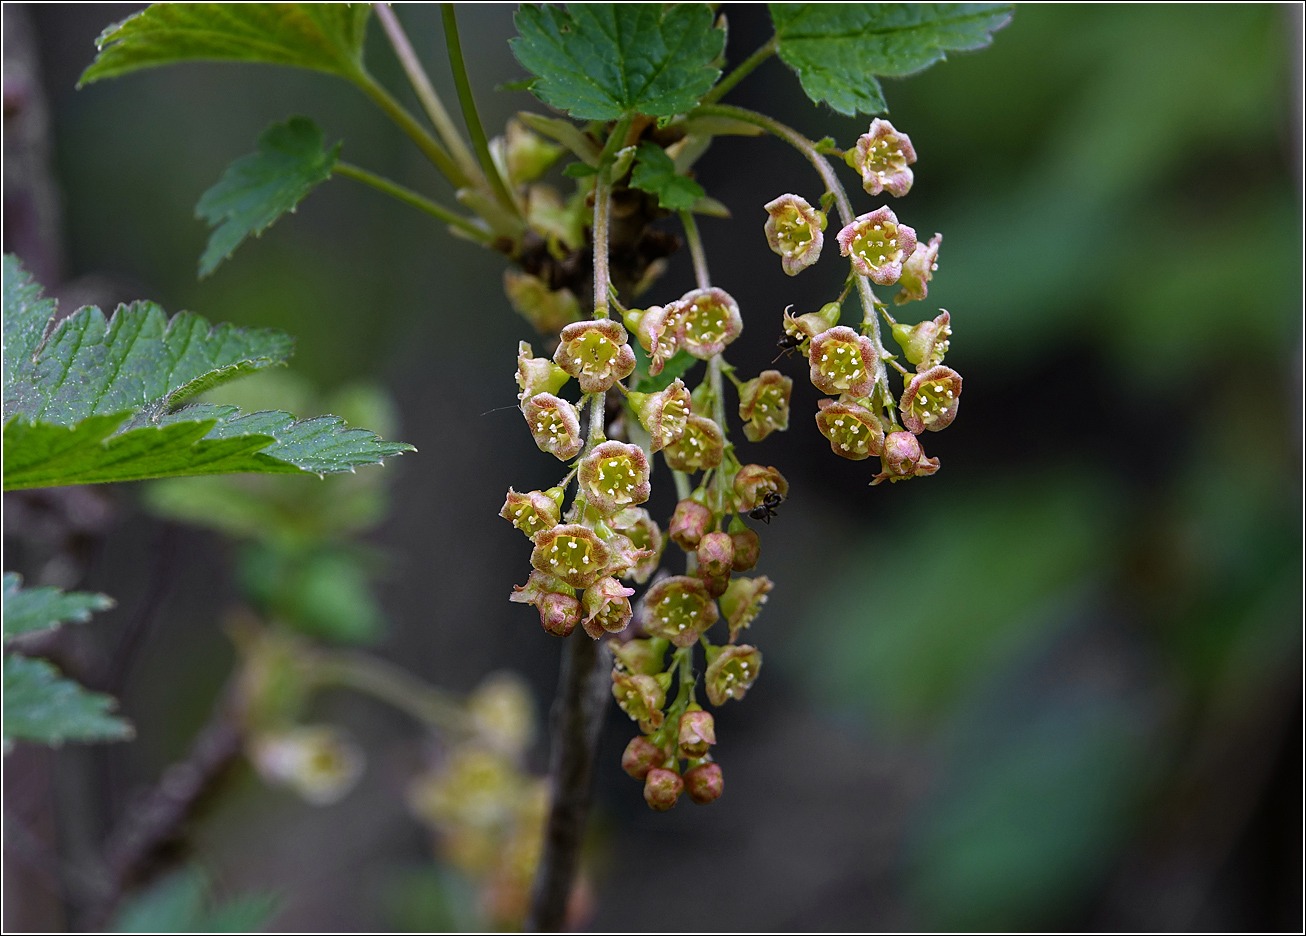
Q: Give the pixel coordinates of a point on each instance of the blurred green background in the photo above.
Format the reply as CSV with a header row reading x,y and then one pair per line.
x,y
1057,685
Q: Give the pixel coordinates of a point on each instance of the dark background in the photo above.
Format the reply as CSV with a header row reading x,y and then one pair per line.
x,y
1056,685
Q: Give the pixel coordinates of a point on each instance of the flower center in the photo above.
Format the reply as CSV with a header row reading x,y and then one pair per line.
x,y
841,363
878,244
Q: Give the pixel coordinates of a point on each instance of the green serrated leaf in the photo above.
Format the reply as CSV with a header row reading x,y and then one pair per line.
x,y
26,315
33,609
255,190
599,61
43,706
177,904
325,37
655,173
837,49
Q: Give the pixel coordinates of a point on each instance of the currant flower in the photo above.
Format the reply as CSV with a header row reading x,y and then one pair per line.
x,y
546,309
625,556
764,404
642,655
556,600
918,271
716,554
704,783
701,446
930,400
679,609
708,321
696,732
644,534
803,328
754,483
662,788
555,424
537,374
657,329
853,430
878,245
748,548
319,762
742,602
533,512
606,604
662,414
689,524
614,475
572,552
641,697
842,361
903,458
731,671
882,156
925,344
793,229
641,756
595,353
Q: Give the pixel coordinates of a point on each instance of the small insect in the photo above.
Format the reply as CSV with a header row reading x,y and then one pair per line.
x,y
766,510
787,344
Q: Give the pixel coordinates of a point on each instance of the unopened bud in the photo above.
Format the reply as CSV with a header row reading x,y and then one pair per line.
x,y
689,524
697,733
536,374
748,547
716,554
556,600
662,788
641,756
903,458
704,783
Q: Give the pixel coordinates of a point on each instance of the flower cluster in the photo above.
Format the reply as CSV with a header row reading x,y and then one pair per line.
x,y
866,418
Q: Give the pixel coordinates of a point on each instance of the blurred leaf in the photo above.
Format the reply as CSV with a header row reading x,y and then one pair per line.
x,y
324,37
430,900
324,592
656,174
837,49
566,133
33,609
138,361
675,366
910,622
599,61
257,189
180,903
41,705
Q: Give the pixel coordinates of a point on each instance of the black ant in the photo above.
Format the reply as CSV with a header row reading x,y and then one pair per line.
x,y
787,344
766,510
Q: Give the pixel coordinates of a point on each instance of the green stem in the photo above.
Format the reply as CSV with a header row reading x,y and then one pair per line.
x,y
599,236
470,116
426,94
409,197
429,146
742,71
696,249
393,685
681,480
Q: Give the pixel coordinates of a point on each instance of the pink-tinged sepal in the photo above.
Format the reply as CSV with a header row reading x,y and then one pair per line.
x,y
701,446
904,458
663,414
708,320
764,404
731,671
918,270
641,756
930,400
662,788
533,512
697,732
716,554
925,344
555,425
556,600
645,538
613,476
882,155
878,245
842,361
793,229
754,482
626,556
643,655
853,430
641,697
704,783
573,553
606,604
679,609
743,602
689,524
595,353
536,374
657,329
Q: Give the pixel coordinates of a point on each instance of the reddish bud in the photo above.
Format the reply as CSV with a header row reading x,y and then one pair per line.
x,y
748,547
614,475
606,604
532,513
704,783
793,230
689,524
679,609
764,404
842,361
716,554
754,482
743,600
878,245
918,271
641,756
701,446
708,321
903,458
571,552
853,430
555,424
559,609
663,414
595,353
697,733
930,400
731,671
882,156
662,788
